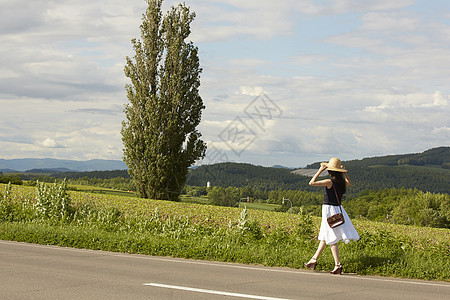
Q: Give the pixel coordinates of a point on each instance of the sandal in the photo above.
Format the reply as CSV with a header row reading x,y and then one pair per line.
x,y
311,264
337,269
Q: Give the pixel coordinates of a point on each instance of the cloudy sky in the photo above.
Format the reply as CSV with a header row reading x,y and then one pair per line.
x,y
285,82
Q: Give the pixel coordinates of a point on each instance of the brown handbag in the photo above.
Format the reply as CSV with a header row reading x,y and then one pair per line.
x,y
337,219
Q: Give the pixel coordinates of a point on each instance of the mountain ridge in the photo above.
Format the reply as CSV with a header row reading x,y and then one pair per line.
x,y
26,164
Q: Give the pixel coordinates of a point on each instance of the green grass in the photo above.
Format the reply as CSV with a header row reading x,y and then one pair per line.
x,y
191,230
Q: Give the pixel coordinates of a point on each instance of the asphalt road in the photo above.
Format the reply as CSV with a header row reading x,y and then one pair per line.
x,y
47,272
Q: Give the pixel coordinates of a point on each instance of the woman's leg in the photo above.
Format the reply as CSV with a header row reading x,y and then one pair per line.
x,y
313,261
319,251
335,251
337,262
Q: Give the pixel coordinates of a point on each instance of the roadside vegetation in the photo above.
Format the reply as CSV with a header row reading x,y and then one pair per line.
x,y
50,214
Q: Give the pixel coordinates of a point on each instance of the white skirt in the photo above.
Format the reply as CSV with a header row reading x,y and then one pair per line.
x,y
344,232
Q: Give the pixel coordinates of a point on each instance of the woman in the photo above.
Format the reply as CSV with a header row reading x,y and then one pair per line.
x,y
336,186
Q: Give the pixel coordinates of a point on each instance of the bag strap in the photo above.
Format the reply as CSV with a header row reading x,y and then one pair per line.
x,y
335,192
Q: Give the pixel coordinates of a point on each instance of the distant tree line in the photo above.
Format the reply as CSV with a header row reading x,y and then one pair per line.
x,y
117,183
93,174
402,206
13,179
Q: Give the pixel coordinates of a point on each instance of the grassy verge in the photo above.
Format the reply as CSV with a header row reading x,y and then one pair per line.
x,y
129,224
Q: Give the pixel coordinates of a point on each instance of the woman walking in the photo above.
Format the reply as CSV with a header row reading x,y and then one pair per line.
x,y
334,189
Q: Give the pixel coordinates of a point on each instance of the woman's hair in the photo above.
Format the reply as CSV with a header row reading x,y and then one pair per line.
x,y
340,180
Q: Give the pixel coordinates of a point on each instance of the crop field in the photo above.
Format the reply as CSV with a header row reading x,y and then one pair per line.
x,y
183,198
99,190
181,229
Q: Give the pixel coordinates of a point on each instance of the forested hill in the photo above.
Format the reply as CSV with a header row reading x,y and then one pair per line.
x,y
436,157
242,175
427,171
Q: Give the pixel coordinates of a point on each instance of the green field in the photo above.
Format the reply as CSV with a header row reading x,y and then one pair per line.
x,y
199,231
183,198
98,190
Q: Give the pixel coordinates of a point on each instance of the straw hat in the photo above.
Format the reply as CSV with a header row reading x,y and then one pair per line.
x,y
334,165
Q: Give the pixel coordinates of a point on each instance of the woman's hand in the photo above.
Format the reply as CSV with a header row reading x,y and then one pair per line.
x,y
322,167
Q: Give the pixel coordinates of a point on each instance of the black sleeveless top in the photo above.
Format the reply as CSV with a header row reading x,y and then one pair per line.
x,y
329,196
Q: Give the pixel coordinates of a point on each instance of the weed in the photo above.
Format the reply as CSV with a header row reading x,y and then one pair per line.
x,y
53,202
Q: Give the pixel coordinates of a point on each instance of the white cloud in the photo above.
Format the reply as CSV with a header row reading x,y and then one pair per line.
x,y
50,143
439,100
251,90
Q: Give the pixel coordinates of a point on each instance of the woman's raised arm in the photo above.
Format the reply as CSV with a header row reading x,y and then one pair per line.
x,y
327,182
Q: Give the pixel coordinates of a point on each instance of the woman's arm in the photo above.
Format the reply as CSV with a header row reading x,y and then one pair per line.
x,y
327,182
347,180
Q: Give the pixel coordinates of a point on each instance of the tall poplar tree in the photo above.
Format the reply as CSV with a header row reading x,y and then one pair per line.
x,y
159,134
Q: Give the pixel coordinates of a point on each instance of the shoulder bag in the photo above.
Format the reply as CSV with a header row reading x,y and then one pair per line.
x,y
337,219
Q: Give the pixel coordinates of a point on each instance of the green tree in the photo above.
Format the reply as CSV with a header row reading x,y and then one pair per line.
x,y
159,134
224,196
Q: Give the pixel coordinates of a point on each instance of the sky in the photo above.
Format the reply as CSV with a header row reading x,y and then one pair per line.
x,y
287,82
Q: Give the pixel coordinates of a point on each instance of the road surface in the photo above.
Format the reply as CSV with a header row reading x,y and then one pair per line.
x,y
30,271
